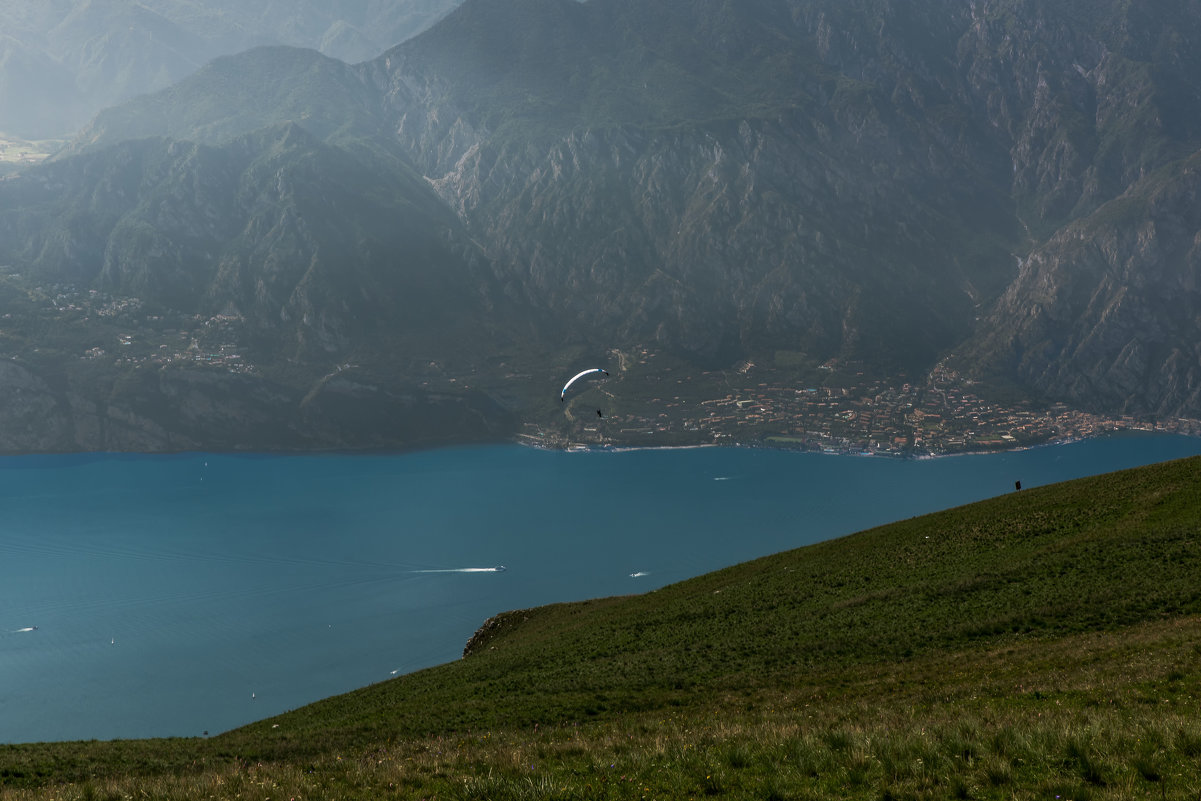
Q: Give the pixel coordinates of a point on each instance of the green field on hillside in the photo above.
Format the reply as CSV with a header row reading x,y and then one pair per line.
x,y
1044,644
16,153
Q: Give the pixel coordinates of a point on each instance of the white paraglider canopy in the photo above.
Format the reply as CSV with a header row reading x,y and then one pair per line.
x,y
577,377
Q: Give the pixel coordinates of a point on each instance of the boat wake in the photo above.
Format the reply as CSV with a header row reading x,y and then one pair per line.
x,y
496,569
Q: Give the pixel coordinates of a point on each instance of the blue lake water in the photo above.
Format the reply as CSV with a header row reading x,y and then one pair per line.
x,y
174,595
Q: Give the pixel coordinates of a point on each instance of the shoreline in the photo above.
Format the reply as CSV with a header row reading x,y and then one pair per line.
x,y
533,443
900,456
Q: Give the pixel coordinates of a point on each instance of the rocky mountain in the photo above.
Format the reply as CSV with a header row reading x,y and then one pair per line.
x,y
1102,311
1104,314
62,61
1004,185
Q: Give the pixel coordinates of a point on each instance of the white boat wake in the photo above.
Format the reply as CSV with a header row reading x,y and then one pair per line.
x,y
639,574
497,569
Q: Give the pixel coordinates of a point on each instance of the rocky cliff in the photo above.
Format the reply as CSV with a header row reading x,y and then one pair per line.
x,y
1103,315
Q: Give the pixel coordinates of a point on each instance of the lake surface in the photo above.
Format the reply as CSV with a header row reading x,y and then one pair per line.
x,y
174,595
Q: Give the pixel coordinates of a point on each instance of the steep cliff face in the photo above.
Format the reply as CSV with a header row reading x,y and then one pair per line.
x,y
677,209
1105,314
732,237
1087,97
1101,312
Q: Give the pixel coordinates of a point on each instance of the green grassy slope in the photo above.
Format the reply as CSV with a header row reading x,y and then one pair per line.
x,y
1048,641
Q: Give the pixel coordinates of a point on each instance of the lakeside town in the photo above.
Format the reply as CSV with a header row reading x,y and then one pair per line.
x,y
120,330
942,413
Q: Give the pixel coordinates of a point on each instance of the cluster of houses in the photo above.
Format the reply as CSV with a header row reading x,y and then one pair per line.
x,y
943,413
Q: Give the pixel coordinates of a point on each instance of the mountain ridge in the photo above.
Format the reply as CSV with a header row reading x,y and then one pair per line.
x,y
870,198
62,62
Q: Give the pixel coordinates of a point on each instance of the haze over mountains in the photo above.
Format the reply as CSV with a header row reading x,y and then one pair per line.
x,y
1007,186
61,61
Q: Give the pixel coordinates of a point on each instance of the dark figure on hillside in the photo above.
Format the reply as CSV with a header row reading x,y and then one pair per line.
x,y
1017,485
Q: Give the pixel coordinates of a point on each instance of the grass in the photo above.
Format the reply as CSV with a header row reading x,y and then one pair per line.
x,y
1043,644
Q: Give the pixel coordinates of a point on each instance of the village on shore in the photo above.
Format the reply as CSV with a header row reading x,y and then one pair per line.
x,y
943,413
